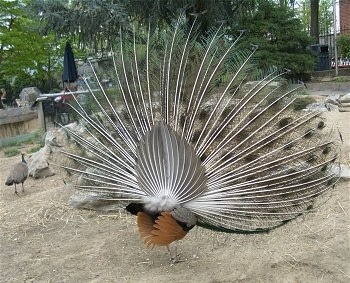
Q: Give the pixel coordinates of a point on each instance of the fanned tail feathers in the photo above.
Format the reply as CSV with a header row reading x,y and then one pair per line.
x,y
191,123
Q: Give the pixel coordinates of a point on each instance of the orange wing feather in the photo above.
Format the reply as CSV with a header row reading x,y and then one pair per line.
x,y
161,232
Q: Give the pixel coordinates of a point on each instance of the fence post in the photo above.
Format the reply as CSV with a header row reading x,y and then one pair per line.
x,y
335,37
41,115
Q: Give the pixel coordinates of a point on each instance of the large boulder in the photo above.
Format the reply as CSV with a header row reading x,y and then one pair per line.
x,y
345,98
95,201
319,106
333,99
38,164
28,96
56,138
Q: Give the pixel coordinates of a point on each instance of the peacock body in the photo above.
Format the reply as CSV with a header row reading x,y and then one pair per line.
x,y
18,174
193,134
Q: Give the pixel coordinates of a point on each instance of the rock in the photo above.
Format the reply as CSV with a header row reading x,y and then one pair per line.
x,y
345,98
333,99
326,79
56,137
343,173
38,164
28,96
95,201
322,107
75,127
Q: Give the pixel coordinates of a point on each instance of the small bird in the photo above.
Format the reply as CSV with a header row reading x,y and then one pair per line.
x,y
18,174
194,134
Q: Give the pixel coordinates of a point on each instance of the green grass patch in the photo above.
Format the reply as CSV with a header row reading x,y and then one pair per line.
x,y
34,149
12,151
11,146
341,79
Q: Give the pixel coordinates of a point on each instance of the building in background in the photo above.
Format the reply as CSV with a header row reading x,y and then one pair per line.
x,y
344,16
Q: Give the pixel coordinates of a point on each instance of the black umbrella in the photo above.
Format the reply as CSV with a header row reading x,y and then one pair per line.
x,y
70,73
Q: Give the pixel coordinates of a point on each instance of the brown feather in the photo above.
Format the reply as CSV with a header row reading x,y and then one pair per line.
x,y
145,224
161,232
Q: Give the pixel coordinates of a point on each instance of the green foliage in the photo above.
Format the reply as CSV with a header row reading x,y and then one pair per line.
x,y
34,149
325,15
21,81
13,147
26,57
21,46
39,138
343,42
280,38
11,151
33,33
210,13
92,24
301,102
341,79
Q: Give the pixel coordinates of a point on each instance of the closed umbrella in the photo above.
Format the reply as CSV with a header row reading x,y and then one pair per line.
x,y
70,73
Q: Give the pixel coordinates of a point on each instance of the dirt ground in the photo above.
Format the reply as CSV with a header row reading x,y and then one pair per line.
x,y
43,239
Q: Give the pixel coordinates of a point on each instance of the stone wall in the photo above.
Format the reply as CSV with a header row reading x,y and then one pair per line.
x,y
16,122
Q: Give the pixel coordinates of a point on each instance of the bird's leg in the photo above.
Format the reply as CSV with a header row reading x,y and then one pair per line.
x,y
174,258
22,188
16,193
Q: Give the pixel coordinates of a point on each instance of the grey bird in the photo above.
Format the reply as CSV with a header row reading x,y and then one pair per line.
x,y
194,134
18,174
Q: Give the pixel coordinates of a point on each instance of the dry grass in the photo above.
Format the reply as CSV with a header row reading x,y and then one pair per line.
x,y
49,217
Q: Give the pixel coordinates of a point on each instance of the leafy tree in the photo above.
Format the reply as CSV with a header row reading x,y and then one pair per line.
x,y
22,49
20,45
274,28
209,12
94,24
344,45
325,15
90,23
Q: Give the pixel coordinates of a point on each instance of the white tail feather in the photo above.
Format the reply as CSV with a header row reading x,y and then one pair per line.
x,y
189,124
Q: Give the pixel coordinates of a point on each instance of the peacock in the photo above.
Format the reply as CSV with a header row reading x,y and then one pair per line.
x,y
18,174
193,133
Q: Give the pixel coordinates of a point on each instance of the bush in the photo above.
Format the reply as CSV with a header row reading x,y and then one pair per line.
x,y
300,103
344,45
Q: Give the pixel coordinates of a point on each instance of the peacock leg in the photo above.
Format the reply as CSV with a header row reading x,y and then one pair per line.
x,y
174,258
16,193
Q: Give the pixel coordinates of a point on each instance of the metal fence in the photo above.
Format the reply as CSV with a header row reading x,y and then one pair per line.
x,y
327,39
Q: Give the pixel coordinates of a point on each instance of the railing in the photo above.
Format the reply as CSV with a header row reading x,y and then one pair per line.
x,y
59,111
342,62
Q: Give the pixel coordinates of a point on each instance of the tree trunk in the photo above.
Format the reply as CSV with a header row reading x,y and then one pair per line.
x,y
314,29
